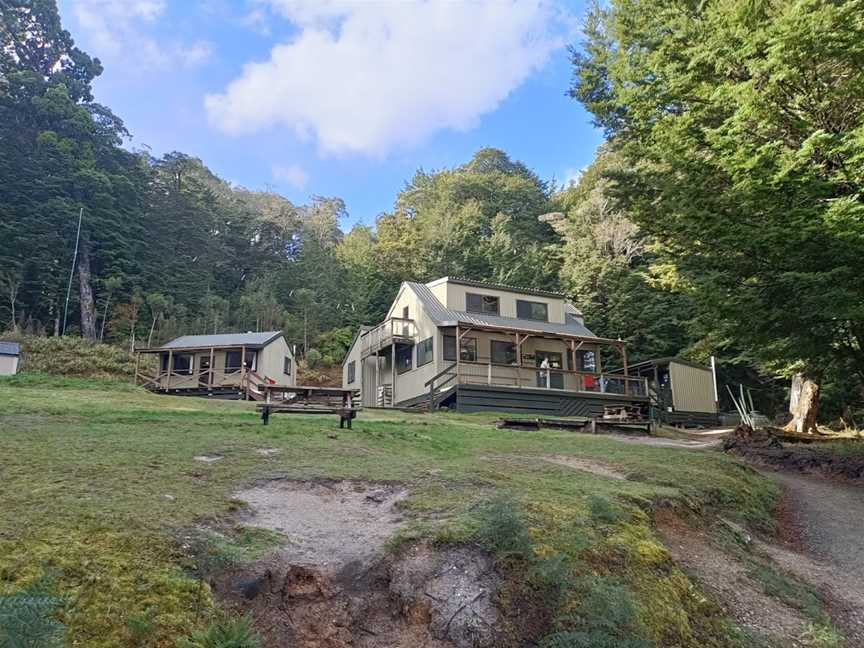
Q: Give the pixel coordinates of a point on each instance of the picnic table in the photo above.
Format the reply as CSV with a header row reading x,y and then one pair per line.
x,y
284,399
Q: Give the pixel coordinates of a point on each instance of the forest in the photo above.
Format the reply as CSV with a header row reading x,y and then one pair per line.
x,y
723,216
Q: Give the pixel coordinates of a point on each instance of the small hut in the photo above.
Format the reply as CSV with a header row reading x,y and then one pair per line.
x,y
10,357
220,365
682,392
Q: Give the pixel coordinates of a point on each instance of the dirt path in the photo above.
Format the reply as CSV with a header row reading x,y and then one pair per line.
x,y
824,525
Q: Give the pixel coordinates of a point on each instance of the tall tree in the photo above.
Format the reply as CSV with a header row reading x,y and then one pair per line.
x,y
743,125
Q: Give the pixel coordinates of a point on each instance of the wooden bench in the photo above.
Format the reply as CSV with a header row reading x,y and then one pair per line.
x,y
281,399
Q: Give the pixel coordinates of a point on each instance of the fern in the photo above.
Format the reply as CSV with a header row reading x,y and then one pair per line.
x,y
224,633
27,618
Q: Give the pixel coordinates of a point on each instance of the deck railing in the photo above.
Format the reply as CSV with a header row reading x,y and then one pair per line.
x,y
396,329
488,373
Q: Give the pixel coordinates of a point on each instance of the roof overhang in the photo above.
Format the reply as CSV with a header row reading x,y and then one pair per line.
x,y
216,347
532,332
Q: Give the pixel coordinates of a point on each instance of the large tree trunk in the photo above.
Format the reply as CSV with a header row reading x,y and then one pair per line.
x,y
85,292
803,404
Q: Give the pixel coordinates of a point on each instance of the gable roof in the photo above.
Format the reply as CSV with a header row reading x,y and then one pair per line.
x,y
10,349
250,340
443,316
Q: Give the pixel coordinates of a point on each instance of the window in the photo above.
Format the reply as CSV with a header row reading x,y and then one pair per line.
x,y
232,360
424,352
181,363
503,352
586,361
404,357
532,310
352,371
486,304
286,368
468,349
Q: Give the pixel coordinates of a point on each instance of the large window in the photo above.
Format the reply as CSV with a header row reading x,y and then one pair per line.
x,y
468,350
286,367
352,371
503,352
404,357
425,352
233,363
532,310
486,304
181,363
586,361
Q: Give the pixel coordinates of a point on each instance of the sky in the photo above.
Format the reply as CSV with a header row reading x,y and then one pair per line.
x,y
344,98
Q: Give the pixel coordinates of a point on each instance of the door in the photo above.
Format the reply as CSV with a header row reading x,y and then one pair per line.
x,y
551,379
204,373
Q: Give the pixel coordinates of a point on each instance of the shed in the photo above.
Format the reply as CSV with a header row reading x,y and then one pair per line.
x,y
682,392
10,357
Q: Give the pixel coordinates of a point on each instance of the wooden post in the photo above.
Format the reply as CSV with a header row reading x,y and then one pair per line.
x,y
137,365
170,367
243,370
210,371
599,362
626,371
458,357
392,374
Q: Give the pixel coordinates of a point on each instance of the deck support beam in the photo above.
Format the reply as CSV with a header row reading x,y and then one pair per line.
x,y
170,366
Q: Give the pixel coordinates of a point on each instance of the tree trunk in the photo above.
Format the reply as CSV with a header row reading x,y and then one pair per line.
x,y
85,292
803,405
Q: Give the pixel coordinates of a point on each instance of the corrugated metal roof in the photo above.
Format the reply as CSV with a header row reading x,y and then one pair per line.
x,y
10,348
222,340
443,316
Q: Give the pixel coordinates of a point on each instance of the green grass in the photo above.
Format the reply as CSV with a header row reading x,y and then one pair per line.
x,y
101,492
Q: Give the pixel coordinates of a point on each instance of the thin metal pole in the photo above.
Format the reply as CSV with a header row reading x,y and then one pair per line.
x,y
72,271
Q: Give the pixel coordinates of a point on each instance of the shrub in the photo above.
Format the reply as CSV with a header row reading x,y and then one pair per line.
x,y
313,358
75,356
224,632
502,530
27,618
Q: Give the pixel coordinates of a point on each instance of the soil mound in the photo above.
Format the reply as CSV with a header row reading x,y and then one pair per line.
x,y
332,586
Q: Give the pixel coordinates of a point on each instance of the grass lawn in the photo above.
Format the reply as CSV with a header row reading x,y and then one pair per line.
x,y
101,492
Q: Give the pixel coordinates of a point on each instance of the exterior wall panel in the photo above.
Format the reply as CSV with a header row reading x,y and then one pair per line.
x,y
8,365
692,388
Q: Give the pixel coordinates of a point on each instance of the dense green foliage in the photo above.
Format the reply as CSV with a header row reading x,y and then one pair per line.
x,y
741,129
723,216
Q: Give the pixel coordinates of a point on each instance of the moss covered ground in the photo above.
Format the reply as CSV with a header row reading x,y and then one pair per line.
x,y
102,496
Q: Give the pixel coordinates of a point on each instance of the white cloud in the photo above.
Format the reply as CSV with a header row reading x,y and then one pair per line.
x,y
118,30
370,77
572,176
292,174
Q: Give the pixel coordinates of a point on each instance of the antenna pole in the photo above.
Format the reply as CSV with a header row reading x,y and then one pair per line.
x,y
72,271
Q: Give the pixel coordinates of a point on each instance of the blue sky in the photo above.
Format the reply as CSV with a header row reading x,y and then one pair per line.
x,y
339,97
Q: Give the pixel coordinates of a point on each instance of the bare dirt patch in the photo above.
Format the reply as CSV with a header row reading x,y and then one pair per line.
x,y
332,585
328,523
585,465
727,581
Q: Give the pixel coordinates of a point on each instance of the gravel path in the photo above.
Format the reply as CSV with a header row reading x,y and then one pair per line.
x,y
825,519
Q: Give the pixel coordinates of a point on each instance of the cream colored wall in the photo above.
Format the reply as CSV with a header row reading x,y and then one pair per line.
x,y
8,365
456,300
692,388
353,356
411,383
271,362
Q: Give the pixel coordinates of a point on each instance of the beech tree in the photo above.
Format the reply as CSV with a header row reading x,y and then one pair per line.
x,y
743,126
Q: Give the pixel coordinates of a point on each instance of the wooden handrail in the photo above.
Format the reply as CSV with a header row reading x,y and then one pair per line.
x,y
439,374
